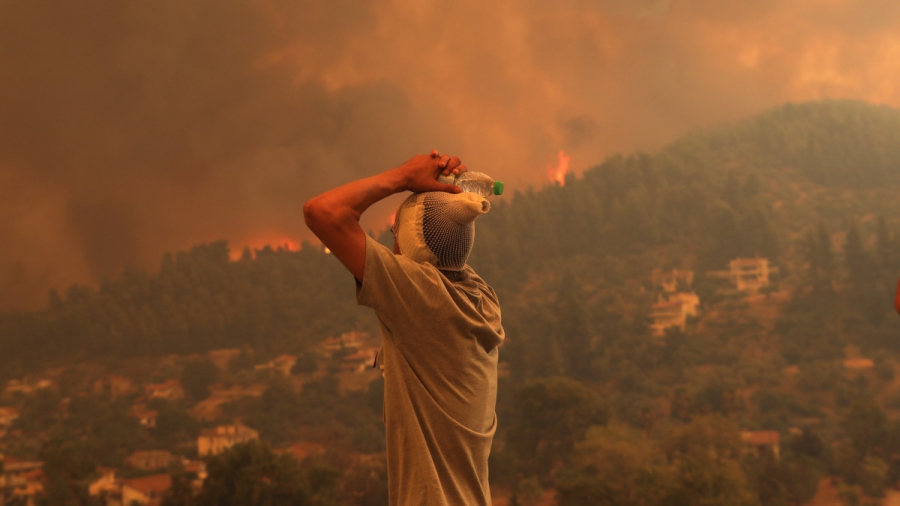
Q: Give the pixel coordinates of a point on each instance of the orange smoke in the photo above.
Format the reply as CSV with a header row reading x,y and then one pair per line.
x,y
558,173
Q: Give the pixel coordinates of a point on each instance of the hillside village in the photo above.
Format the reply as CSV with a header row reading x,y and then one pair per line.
x,y
145,474
676,303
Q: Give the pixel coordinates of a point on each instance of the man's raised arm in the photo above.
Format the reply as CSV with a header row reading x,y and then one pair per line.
x,y
334,215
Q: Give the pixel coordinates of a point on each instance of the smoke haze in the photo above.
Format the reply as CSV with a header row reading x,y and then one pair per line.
x,y
128,129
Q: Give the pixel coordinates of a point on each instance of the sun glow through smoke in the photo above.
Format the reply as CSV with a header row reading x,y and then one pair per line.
x,y
558,173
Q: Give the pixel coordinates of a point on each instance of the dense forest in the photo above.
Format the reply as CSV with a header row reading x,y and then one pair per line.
x,y
736,191
592,404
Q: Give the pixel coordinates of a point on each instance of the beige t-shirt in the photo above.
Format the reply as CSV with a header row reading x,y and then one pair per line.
x,y
439,353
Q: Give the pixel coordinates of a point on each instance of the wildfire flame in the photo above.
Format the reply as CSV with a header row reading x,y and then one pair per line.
x,y
558,173
275,241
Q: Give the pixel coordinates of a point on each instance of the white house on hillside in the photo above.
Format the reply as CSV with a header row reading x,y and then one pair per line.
x,y
216,440
673,312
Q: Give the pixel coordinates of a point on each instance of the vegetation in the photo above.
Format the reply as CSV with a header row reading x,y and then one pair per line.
x,y
251,474
592,404
198,301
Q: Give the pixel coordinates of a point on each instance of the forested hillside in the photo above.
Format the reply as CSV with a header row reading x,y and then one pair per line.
x,y
592,404
742,190
198,301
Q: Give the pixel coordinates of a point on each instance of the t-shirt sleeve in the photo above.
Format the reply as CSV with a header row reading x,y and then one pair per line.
x,y
393,285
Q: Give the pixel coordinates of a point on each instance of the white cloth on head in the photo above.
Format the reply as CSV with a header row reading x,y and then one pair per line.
x,y
439,227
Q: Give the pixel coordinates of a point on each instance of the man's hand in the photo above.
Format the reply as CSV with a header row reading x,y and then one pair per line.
x,y
334,215
419,173
449,164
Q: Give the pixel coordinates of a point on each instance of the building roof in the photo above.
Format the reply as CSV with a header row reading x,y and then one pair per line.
x,y
164,386
674,304
332,341
229,430
8,411
33,474
196,466
685,297
761,437
349,339
13,464
157,483
361,355
859,363
748,261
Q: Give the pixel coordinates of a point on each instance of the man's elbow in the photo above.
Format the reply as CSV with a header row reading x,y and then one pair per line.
x,y
322,216
315,213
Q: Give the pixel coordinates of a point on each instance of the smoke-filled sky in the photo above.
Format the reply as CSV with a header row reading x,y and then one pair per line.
x,y
131,128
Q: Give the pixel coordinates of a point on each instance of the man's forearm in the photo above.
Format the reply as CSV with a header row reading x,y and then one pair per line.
x,y
350,201
334,215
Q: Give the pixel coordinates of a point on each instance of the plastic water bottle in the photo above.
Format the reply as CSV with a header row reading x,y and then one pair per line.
x,y
475,182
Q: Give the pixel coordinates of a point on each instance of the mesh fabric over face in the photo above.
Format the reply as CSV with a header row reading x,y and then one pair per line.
x,y
450,242
439,228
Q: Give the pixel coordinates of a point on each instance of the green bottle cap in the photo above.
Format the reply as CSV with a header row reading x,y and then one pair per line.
x,y
498,187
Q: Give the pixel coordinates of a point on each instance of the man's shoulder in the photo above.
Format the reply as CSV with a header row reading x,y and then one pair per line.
x,y
479,282
391,265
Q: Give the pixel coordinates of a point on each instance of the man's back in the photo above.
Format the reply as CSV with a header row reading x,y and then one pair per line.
x,y
440,371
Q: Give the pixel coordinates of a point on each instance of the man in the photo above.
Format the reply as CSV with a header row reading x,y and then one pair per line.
x,y
440,327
